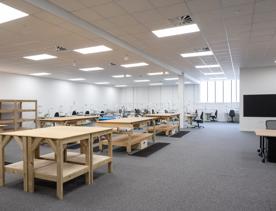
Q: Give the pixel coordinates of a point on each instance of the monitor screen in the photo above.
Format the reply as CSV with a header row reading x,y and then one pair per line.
x,y
259,105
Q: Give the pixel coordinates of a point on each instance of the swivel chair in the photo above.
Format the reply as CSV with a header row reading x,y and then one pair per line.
x,y
214,117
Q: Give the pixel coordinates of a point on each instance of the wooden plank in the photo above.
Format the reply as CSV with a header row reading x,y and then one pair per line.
x,y
59,170
2,162
265,132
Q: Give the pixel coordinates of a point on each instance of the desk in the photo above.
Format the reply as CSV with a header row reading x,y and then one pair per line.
x,y
129,124
58,170
264,133
190,118
71,120
167,128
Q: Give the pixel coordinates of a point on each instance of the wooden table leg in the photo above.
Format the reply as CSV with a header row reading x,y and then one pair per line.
x,y
59,186
129,143
154,131
25,163
91,159
87,152
110,151
2,162
30,166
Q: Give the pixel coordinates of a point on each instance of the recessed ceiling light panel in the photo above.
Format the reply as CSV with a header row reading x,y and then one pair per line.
x,y
89,69
197,54
171,79
102,83
141,81
178,30
94,49
40,74
40,57
207,66
140,64
214,73
8,13
77,79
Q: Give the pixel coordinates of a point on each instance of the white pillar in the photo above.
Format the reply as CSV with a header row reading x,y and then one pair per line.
x,y
181,99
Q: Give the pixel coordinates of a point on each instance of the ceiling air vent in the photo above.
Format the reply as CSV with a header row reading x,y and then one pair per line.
x,y
181,20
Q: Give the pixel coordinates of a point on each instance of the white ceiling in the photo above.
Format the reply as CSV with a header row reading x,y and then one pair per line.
x,y
241,33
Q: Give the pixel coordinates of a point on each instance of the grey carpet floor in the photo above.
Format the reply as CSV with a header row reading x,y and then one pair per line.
x,y
212,168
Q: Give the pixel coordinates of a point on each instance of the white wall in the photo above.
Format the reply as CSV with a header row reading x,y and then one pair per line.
x,y
256,81
158,98
58,95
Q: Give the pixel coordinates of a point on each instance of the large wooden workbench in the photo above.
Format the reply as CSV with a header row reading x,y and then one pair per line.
x,y
70,120
171,125
60,166
126,126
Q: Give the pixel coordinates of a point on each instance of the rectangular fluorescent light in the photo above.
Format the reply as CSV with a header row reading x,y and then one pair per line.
x,y
156,73
121,76
40,57
118,86
156,84
77,79
89,69
187,82
170,79
141,81
102,83
207,66
178,30
140,64
222,78
8,13
40,74
94,49
214,73
197,54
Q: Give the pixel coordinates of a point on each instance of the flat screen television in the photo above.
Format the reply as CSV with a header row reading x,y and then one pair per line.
x,y
259,105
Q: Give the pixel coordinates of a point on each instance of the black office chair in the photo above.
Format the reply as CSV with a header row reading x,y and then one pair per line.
x,y
102,114
74,113
166,111
87,112
199,121
214,117
152,111
232,115
56,114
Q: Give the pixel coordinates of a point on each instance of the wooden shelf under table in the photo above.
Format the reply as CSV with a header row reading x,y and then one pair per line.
x,y
75,157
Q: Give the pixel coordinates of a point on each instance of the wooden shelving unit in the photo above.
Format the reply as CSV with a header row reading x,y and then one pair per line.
x,y
13,113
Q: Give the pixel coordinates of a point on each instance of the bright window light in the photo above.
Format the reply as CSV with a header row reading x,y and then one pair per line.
x,y
8,13
197,54
94,49
40,74
141,81
170,79
102,83
121,76
187,82
89,69
207,66
156,73
156,84
214,73
178,30
40,57
122,85
77,79
140,64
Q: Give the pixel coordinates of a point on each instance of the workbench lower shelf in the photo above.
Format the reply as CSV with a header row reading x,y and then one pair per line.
x,y
167,129
75,157
128,140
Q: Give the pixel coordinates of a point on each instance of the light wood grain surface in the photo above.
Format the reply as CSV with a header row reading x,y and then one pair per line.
x,y
265,132
58,132
129,120
163,115
69,118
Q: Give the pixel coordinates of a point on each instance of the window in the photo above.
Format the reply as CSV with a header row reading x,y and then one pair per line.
x,y
203,92
211,92
219,91
227,91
